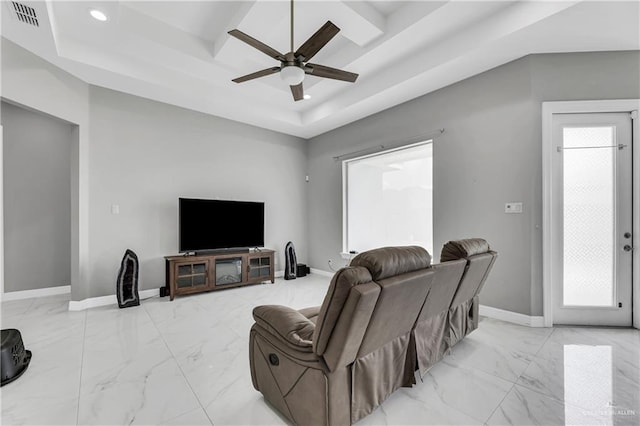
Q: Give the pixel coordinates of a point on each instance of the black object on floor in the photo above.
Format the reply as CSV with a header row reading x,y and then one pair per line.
x,y
291,263
127,290
14,359
164,291
302,270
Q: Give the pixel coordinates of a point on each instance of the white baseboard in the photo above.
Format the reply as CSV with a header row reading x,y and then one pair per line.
x,y
38,292
513,317
321,272
93,302
278,274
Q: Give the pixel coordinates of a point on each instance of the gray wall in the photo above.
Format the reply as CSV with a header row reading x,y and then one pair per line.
x,y
37,199
33,82
489,154
145,154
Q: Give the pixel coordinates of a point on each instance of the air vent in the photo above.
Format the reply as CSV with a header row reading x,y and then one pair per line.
x,y
25,14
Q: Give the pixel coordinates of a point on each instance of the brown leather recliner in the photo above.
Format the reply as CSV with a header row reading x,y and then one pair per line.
x,y
451,311
432,330
340,368
463,313
386,315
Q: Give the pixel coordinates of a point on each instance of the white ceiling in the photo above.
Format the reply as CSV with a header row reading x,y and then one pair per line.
x,y
179,52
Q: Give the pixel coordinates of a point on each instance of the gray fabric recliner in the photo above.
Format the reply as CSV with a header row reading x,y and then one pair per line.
x,y
385,315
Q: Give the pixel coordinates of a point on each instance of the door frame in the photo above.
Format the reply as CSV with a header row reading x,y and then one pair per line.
x,y
548,232
1,211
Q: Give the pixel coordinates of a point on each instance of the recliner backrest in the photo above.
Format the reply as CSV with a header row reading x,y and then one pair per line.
x,y
446,278
431,332
334,302
344,315
475,274
480,259
405,278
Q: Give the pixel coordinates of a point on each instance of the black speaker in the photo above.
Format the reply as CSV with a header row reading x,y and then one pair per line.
x,y
302,270
127,283
14,359
291,263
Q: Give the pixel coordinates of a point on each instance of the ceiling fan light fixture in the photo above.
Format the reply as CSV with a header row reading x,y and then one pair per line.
x,y
98,15
292,75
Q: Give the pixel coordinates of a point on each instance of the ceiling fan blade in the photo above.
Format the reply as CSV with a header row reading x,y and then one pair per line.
x,y
317,41
328,72
298,92
256,74
257,44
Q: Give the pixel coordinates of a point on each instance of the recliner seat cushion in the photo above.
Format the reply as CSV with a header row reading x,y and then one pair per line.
x,y
387,262
459,249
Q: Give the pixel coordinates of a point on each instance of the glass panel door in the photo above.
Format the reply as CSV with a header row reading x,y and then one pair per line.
x,y
592,174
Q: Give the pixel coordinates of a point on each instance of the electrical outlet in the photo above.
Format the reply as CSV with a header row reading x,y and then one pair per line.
x,y
513,207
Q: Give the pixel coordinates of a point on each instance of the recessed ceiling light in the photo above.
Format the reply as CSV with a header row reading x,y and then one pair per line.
x,y
99,15
307,96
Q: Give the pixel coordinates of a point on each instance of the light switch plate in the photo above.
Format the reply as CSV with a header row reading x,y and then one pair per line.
x,y
513,207
115,209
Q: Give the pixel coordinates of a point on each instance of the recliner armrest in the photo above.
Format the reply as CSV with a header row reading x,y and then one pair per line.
x,y
286,323
311,313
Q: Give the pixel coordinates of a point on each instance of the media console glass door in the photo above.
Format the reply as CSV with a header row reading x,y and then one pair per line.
x,y
191,275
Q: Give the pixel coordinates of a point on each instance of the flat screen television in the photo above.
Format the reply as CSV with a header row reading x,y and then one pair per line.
x,y
208,225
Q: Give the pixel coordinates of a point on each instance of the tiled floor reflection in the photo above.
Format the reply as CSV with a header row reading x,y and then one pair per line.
x,y
186,363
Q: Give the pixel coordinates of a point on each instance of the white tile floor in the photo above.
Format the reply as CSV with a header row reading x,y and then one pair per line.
x,y
186,362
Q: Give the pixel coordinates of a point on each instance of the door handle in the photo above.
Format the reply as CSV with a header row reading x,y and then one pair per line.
x,y
627,235
627,247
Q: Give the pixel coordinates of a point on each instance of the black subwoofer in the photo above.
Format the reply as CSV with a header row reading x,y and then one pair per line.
x,y
14,359
302,270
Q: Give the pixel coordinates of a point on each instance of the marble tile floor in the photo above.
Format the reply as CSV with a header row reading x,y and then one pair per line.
x,y
186,363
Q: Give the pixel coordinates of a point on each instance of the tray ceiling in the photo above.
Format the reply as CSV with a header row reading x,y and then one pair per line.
x,y
179,52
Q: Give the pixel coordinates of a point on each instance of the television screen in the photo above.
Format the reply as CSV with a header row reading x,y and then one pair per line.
x,y
219,224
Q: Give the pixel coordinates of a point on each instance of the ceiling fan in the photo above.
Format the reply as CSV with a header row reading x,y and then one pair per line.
x,y
294,65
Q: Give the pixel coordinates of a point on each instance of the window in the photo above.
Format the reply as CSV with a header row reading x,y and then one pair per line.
x,y
388,199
